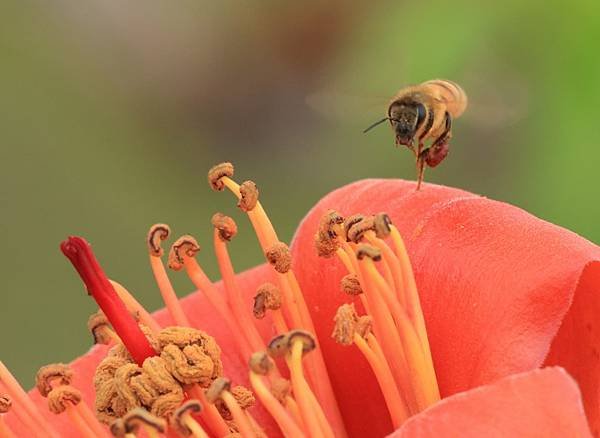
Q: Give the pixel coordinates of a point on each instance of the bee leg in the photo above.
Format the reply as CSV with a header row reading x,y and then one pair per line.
x,y
435,154
421,168
417,151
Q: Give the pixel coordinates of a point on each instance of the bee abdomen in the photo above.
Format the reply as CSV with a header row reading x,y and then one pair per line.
x,y
451,93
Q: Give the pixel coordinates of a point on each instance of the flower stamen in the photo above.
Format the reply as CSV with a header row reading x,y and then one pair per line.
x,y
269,297
413,304
100,329
210,413
157,234
152,424
24,407
182,255
349,331
220,390
262,365
225,229
294,302
300,342
184,422
54,382
5,406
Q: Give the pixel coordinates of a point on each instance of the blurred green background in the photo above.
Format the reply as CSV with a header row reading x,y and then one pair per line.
x,y
111,113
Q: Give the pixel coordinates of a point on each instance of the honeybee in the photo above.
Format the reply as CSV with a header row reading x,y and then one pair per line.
x,y
422,112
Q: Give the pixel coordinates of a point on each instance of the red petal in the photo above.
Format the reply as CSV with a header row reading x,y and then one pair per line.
x,y
540,403
495,284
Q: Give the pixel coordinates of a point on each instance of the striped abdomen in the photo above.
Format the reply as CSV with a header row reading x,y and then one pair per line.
x,y
450,93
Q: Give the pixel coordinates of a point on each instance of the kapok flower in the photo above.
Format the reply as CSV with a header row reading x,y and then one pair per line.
x,y
443,310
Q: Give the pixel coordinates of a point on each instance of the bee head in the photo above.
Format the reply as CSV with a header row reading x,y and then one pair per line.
x,y
406,119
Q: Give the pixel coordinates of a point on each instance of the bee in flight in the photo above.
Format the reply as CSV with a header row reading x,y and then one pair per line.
x,y
422,112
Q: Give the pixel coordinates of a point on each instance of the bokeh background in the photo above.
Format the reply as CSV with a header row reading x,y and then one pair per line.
x,y
111,112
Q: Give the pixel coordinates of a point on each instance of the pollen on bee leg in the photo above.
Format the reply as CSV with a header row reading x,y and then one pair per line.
x,y
185,424
157,234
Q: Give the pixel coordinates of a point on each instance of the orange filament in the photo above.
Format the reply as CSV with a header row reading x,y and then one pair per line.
x,y
5,431
422,371
135,307
167,292
209,414
23,416
296,306
392,264
313,416
262,226
202,282
234,295
395,404
413,305
291,404
279,322
191,424
239,416
90,419
30,415
79,423
346,260
272,405
150,431
385,330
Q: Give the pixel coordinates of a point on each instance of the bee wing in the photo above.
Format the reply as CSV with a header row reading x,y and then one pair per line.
x,y
346,107
497,107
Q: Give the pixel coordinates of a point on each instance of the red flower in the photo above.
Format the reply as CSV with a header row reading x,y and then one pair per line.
x,y
503,294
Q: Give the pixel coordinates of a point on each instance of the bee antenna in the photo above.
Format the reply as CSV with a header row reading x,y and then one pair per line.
x,y
379,122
